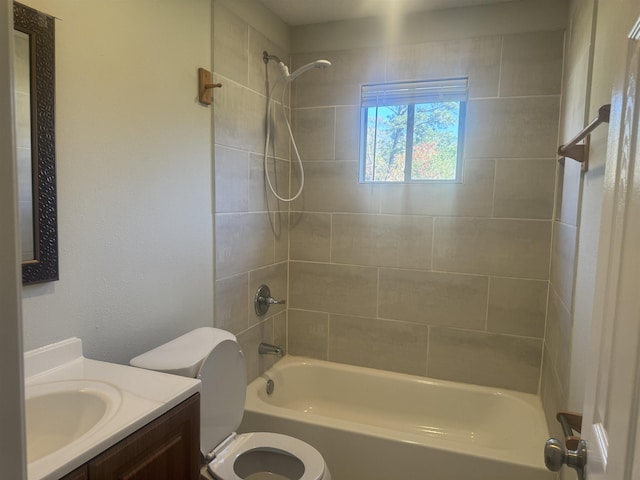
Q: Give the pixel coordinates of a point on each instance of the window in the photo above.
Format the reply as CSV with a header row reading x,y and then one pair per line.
x,y
413,131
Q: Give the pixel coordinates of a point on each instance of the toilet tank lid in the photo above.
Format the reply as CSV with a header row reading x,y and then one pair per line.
x,y
185,354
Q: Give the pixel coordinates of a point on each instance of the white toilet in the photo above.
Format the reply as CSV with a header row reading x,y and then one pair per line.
x,y
214,356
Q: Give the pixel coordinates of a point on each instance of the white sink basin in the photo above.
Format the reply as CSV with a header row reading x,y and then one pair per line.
x,y
77,408
61,413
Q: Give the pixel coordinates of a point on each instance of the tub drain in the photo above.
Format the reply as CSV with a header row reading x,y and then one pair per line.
x,y
270,386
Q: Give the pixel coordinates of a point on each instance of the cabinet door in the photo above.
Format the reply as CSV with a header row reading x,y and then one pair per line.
x,y
166,449
81,473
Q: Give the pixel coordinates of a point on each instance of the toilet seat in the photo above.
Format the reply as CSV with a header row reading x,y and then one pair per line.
x,y
215,357
222,466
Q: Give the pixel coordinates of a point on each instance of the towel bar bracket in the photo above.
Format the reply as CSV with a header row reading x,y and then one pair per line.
x,y
580,152
570,421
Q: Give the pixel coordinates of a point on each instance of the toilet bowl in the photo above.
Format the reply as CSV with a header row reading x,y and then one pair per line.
x,y
214,356
285,457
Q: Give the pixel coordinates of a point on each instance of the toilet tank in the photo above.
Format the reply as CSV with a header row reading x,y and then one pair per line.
x,y
214,356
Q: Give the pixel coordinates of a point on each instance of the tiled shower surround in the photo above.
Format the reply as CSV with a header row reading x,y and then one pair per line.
x,y
571,291
251,227
444,280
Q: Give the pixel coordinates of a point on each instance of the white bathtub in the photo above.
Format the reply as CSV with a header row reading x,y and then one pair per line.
x,y
377,425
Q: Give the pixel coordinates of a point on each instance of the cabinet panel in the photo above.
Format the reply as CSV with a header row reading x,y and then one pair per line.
x,y
166,449
81,473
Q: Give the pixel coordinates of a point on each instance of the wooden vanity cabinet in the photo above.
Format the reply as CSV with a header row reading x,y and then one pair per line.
x,y
166,449
81,473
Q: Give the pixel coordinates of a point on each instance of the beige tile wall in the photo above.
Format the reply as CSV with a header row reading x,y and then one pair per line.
x,y
251,226
556,373
448,280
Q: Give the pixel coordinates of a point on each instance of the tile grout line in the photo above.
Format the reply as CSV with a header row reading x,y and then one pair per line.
x,y
433,242
378,294
328,335
331,214
500,68
493,193
428,345
486,315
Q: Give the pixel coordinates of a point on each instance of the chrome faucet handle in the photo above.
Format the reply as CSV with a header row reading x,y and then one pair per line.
x,y
263,300
272,301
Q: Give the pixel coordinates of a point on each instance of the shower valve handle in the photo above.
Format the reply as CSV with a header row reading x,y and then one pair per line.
x,y
271,301
263,300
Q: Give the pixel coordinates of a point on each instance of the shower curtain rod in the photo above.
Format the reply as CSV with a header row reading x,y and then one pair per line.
x,y
580,152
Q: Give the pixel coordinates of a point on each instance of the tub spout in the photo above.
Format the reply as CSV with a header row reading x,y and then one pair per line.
x,y
268,349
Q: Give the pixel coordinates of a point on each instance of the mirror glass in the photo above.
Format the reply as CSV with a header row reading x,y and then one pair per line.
x,y
34,70
23,143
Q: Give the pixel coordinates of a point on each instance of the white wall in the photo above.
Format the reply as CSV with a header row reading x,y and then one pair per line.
x,y
12,458
499,19
134,178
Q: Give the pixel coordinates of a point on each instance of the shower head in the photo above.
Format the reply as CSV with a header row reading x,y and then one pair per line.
x,y
299,71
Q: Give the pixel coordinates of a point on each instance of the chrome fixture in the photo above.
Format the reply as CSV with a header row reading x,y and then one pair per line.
x,y
556,455
270,386
266,57
268,349
573,451
263,300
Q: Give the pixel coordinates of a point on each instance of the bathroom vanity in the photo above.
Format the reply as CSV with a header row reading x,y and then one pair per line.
x,y
87,419
168,448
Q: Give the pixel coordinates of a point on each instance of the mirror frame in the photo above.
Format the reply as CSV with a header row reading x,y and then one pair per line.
x,y
40,28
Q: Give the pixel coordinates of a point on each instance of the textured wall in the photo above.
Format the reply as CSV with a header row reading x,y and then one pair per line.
x,y
134,178
251,227
449,280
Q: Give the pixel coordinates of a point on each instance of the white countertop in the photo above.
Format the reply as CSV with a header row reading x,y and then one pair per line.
x,y
144,394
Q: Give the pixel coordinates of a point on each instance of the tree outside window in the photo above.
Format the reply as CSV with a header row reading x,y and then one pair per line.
x,y
413,132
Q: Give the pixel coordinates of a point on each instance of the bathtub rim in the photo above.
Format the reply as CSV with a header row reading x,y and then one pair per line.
x,y
256,405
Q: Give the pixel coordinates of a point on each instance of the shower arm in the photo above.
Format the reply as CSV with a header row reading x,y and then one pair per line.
x,y
266,57
284,70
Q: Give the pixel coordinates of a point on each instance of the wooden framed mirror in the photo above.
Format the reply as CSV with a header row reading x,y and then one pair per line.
x,y
34,69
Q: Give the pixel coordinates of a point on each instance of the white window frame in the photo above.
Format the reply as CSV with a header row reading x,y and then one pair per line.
x,y
410,94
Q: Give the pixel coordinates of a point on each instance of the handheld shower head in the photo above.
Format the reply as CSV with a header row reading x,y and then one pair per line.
x,y
286,78
299,71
